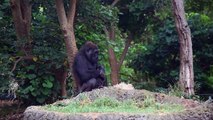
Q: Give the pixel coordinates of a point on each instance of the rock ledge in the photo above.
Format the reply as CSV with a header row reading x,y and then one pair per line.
x,y
194,110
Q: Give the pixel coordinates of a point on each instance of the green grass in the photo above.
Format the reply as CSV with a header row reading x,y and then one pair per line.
x,y
109,105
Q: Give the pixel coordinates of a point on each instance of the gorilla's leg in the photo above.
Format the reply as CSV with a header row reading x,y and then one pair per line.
x,y
89,85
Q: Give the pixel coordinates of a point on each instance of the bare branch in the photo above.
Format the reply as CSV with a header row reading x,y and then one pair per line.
x,y
15,64
123,55
19,59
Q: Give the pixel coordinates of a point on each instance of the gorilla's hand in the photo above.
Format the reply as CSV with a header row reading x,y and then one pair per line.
x,y
101,70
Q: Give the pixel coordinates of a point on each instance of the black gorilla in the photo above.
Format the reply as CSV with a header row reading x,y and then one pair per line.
x,y
87,72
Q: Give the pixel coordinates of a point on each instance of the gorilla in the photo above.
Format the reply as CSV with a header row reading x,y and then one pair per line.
x,y
88,73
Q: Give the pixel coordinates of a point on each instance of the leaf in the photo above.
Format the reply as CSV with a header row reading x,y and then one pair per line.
x,y
31,76
31,67
35,59
65,63
1,15
45,92
47,84
11,59
50,78
116,49
27,90
35,93
20,53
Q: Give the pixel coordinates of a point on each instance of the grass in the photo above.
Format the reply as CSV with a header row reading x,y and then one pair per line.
x,y
110,105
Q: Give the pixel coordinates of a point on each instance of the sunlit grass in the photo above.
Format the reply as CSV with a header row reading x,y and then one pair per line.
x,y
109,105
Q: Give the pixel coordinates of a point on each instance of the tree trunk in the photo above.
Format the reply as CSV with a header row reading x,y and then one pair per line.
x,y
21,12
67,27
186,75
61,75
114,67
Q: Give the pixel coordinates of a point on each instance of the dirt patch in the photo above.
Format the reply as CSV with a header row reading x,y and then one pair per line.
x,y
193,109
11,110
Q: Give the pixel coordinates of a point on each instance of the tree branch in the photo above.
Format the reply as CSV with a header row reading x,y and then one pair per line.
x,y
112,33
61,13
15,64
19,59
114,3
71,13
123,55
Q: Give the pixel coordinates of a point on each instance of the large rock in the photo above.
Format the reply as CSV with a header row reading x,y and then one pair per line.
x,y
194,110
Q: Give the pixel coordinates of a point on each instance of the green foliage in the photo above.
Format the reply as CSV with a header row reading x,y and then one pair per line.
x,y
5,71
7,45
95,14
134,16
175,90
202,7
161,59
37,88
149,101
37,83
209,77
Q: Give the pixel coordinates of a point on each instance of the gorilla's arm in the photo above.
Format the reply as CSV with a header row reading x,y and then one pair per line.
x,y
84,71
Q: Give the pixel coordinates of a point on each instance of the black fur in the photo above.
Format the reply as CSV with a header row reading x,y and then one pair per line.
x,y
86,69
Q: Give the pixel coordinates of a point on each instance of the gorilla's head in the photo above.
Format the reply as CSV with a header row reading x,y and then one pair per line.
x,y
91,52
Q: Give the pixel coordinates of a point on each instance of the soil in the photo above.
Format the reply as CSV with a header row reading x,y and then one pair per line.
x,y
11,110
194,110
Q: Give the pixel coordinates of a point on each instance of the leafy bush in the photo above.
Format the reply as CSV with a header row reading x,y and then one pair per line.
x,y
37,83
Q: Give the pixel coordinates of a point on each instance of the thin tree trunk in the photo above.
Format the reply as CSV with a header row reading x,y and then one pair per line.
x,y
112,59
115,65
61,75
114,75
186,75
67,27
